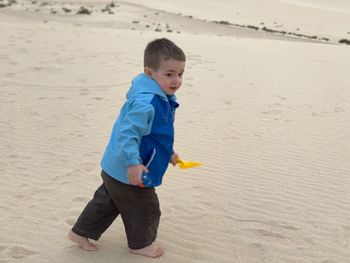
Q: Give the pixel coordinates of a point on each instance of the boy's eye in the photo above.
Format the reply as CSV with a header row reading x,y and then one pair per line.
x,y
171,75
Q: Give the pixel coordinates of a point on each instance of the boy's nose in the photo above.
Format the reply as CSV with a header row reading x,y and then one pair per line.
x,y
176,79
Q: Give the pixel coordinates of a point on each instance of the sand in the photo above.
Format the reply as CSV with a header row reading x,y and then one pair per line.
x,y
268,115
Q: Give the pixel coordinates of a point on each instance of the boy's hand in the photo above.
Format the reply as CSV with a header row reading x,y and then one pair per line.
x,y
135,173
173,158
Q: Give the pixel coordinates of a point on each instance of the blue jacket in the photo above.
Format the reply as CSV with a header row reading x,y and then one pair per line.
x,y
143,133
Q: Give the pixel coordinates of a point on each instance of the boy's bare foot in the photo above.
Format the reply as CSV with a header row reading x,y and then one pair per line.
x,y
152,251
83,242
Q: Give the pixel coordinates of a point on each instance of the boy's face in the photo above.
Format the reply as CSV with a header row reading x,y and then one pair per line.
x,y
168,75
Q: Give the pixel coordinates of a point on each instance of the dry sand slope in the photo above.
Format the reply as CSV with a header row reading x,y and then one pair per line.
x,y
269,118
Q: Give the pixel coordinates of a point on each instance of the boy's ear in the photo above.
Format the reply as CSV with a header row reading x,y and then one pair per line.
x,y
147,71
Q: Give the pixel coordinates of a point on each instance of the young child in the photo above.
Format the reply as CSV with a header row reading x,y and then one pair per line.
x,y
137,155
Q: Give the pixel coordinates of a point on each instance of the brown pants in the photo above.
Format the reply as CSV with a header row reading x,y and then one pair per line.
x,y
138,207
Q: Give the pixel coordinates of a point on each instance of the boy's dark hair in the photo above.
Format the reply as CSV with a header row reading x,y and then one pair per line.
x,y
159,49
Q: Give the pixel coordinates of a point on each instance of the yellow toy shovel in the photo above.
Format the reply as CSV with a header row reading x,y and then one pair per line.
x,y
187,165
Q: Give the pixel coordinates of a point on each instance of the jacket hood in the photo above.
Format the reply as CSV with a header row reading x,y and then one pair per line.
x,y
142,84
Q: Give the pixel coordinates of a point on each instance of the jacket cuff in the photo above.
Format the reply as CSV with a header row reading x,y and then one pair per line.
x,y
134,161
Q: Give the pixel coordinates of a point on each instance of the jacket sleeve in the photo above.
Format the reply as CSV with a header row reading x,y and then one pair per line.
x,y
136,123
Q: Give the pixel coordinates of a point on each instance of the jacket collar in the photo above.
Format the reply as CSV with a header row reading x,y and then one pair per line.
x,y
142,84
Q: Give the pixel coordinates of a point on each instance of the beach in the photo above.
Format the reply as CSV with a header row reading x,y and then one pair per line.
x,y
267,113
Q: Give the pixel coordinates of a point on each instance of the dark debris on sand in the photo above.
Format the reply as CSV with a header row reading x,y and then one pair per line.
x,y
108,8
344,41
67,10
84,11
273,31
7,3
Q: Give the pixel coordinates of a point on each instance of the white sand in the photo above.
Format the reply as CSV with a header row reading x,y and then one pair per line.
x,y
269,118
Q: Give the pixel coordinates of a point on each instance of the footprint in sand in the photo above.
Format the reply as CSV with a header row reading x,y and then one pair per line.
x,y
22,51
20,196
13,156
84,92
4,209
17,252
82,199
227,101
256,252
4,57
267,233
21,252
272,111
338,110
10,75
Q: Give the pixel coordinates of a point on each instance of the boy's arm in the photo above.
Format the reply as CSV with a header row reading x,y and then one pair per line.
x,y
136,123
